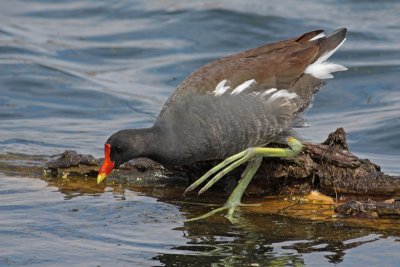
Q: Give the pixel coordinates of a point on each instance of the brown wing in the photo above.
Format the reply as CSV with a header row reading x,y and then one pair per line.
x,y
278,65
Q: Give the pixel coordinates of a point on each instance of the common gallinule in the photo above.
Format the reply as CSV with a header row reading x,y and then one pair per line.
x,y
231,109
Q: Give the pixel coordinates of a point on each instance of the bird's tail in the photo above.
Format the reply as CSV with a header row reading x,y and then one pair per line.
x,y
308,84
321,68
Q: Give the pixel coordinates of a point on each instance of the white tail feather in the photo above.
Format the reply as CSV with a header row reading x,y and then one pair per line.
x,y
328,54
319,36
323,70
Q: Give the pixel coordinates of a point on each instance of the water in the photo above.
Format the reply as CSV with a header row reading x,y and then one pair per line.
x,y
73,72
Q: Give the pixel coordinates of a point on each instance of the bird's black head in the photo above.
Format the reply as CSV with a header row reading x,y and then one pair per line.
x,y
121,147
124,146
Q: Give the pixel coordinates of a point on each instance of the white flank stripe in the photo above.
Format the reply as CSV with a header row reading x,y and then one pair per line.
x,y
220,89
269,91
319,36
280,94
246,85
323,70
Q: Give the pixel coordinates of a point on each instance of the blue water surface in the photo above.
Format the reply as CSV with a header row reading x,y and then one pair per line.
x,y
73,72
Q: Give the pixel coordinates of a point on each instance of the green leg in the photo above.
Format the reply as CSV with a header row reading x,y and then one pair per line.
x,y
214,170
236,196
251,155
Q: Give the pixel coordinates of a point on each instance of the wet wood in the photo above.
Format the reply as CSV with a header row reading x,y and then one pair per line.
x,y
330,168
370,208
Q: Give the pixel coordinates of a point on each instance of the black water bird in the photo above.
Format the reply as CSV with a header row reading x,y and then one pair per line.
x,y
231,109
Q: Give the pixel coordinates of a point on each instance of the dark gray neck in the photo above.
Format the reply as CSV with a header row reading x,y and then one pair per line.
x,y
145,142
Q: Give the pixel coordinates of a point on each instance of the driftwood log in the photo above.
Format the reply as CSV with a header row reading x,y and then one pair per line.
x,y
328,167
370,208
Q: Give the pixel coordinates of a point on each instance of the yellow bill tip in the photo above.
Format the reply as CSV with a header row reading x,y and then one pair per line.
x,y
101,177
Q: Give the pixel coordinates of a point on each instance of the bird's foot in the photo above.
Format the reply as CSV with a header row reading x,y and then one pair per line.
x,y
236,196
254,157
